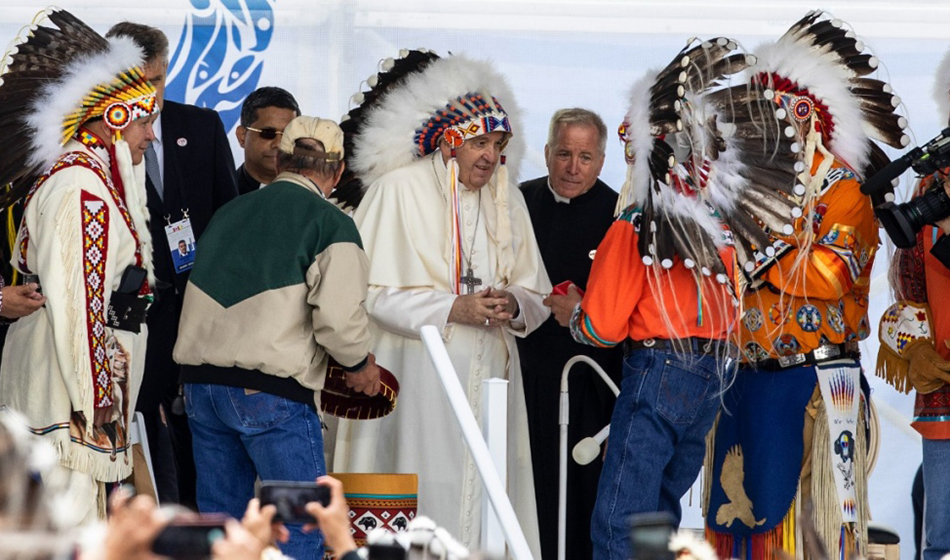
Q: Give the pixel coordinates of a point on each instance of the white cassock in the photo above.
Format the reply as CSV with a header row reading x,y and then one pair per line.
x,y
402,224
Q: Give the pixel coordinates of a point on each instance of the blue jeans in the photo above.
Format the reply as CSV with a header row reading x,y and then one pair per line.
x,y
667,404
936,498
238,437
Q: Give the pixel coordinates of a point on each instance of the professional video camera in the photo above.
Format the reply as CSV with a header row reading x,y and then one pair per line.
x,y
903,221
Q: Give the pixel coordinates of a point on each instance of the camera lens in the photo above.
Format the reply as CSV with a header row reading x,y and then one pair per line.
x,y
903,221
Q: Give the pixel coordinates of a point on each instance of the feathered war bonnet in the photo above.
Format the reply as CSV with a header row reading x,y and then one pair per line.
x,y
808,92
54,80
454,98
817,77
682,172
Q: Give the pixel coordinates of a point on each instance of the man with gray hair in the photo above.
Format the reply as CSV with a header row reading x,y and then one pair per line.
x,y
571,210
265,310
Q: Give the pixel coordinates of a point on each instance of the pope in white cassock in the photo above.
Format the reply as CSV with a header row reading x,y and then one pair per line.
x,y
450,244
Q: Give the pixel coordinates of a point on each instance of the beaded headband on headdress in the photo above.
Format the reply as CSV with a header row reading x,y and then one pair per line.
x,y
466,116
128,97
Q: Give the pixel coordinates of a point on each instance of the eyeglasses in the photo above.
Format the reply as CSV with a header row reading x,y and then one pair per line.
x,y
266,133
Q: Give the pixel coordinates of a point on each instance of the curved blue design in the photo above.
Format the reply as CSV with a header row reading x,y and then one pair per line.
x,y
219,57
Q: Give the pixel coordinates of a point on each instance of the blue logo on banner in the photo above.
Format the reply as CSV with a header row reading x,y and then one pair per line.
x,y
219,58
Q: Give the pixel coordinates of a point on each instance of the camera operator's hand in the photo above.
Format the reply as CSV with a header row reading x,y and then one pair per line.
x,y
259,521
133,525
333,520
238,544
928,371
366,379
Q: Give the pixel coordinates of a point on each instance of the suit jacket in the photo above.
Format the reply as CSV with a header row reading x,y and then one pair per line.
x,y
198,178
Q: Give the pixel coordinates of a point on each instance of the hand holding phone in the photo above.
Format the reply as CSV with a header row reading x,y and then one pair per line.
x,y
190,538
291,498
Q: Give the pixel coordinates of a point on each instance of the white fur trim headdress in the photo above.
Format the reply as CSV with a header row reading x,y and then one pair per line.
x,y
391,73
941,90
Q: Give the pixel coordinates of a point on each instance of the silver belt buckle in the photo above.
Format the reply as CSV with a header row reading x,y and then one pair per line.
x,y
788,361
649,343
826,352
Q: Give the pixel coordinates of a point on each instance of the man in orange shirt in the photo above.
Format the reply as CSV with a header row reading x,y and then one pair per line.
x,y
670,304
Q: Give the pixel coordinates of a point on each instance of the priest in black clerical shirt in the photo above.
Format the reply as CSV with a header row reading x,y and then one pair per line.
x,y
571,210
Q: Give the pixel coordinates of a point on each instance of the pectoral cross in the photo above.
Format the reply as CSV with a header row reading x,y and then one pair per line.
x,y
470,281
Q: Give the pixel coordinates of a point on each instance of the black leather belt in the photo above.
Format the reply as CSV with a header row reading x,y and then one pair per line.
x,y
692,345
824,353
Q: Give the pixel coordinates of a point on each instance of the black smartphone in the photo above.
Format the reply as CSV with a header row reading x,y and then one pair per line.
x,y
386,552
190,539
650,535
132,280
33,279
291,499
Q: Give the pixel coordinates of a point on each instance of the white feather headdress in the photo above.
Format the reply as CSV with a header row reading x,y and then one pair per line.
x,y
386,141
941,90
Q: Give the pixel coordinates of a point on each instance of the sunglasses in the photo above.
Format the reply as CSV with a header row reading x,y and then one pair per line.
x,y
266,133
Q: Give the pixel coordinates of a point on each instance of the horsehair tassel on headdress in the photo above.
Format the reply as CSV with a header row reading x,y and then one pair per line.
x,y
55,79
392,72
681,169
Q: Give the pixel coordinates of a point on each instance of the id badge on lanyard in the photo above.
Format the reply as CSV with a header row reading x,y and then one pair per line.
x,y
181,243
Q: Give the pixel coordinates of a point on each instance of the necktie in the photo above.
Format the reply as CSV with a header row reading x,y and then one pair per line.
x,y
152,171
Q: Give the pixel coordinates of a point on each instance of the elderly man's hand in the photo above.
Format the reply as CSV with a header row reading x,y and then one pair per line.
x,y
481,309
20,301
563,306
366,379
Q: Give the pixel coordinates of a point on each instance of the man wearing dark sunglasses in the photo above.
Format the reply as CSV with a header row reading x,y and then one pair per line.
x,y
264,115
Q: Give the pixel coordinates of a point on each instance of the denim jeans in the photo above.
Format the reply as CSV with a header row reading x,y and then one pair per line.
x,y
936,498
667,404
238,437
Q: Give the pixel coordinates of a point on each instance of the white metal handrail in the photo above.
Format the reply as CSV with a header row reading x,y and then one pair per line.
x,y
517,543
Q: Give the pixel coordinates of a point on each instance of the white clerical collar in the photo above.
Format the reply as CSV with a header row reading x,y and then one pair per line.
x,y
557,197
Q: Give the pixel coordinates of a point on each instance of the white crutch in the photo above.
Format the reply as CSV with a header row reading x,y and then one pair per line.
x,y
585,451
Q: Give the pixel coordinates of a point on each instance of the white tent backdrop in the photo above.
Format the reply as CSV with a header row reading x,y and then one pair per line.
x,y
556,53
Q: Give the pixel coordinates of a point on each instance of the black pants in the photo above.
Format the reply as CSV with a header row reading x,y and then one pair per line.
x,y
168,434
